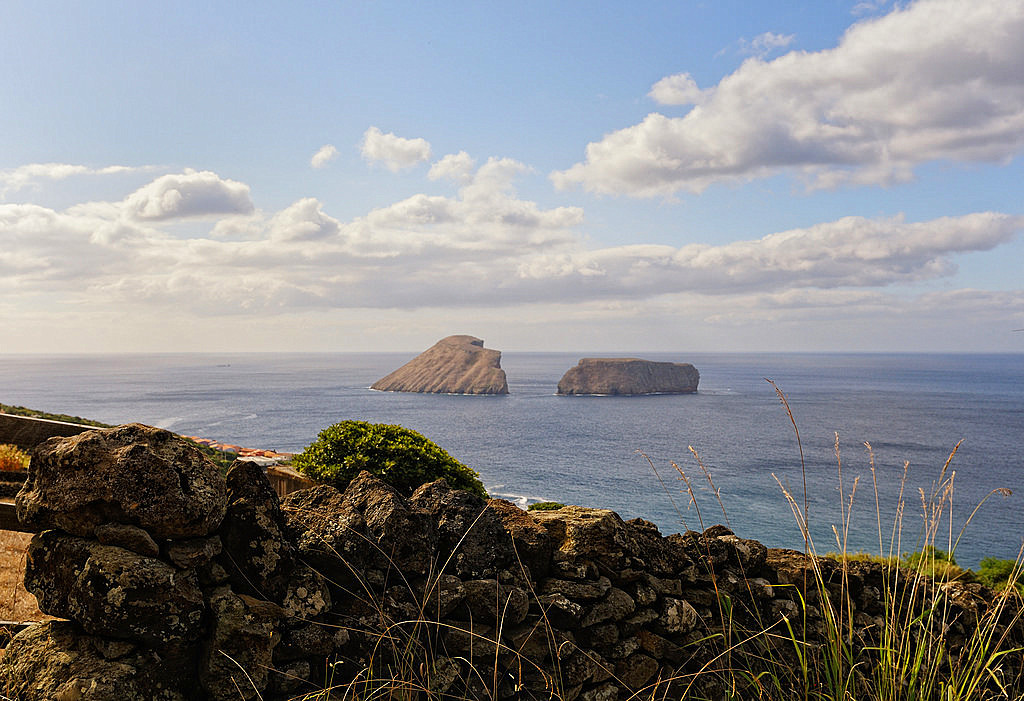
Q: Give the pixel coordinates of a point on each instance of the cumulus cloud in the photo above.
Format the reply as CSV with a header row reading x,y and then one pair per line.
x,y
325,155
303,221
189,194
679,89
766,43
936,80
17,178
455,166
393,151
483,246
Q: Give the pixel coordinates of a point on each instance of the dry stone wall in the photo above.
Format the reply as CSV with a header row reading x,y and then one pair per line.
x,y
179,584
27,432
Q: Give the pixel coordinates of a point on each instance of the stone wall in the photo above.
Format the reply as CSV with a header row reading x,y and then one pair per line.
x,y
27,432
179,584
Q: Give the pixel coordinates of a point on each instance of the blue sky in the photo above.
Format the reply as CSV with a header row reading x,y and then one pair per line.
x,y
727,176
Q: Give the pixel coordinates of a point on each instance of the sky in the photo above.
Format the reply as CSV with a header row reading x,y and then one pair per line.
x,y
819,175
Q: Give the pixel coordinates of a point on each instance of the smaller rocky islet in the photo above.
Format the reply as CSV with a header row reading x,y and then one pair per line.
x,y
460,364
628,376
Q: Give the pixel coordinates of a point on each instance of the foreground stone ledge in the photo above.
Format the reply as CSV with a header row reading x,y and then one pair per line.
x,y
273,598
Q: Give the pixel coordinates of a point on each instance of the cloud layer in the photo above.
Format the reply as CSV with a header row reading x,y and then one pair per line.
x,y
937,80
484,246
24,176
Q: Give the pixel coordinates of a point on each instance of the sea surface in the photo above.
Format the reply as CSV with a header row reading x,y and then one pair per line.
x,y
535,446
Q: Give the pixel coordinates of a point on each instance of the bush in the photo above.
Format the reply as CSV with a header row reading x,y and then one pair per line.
x,y
401,457
13,458
935,563
995,573
545,506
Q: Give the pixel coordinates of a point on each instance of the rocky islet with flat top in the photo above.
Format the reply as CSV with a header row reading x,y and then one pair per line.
x,y
619,376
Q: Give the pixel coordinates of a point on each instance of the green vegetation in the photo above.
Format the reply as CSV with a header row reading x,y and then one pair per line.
x,y
13,458
401,457
545,506
997,574
817,651
23,411
930,561
821,650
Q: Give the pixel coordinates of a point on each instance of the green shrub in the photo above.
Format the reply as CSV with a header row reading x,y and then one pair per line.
x,y
935,563
401,457
32,413
545,506
995,573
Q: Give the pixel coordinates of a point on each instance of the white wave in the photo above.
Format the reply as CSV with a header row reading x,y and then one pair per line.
x,y
520,500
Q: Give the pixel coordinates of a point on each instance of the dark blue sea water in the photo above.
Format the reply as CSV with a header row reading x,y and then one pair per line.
x,y
533,445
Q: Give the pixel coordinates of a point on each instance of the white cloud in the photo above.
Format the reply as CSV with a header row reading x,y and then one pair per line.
x,y
393,151
937,80
484,247
679,89
867,7
325,155
189,194
766,43
454,166
303,221
17,178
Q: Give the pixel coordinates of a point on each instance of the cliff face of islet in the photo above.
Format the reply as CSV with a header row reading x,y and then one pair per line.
x,y
454,365
624,376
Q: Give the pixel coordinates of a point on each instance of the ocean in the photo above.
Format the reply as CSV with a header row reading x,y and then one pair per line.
x,y
535,446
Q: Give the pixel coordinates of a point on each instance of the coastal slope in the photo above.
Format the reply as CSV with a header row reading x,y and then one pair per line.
x,y
620,376
454,365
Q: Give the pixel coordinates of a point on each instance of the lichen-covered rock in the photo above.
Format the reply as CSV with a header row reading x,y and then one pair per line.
x,y
596,535
491,602
237,656
560,612
402,533
444,594
636,670
328,534
301,639
194,552
472,532
113,592
132,474
677,616
368,528
257,554
577,591
56,661
530,541
615,606
306,593
128,537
